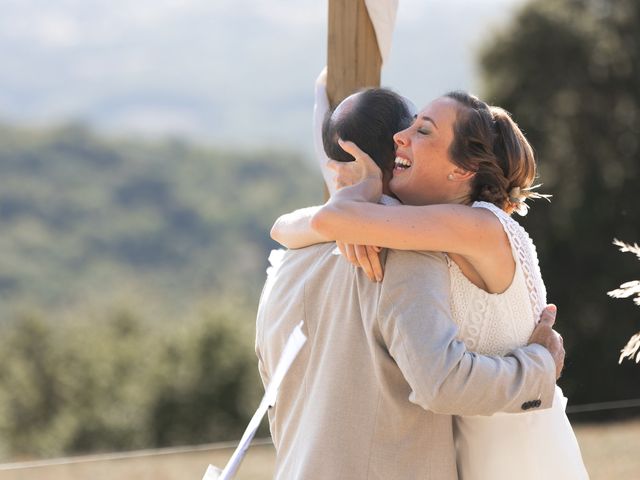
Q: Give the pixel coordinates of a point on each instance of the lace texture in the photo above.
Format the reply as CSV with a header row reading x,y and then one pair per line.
x,y
497,323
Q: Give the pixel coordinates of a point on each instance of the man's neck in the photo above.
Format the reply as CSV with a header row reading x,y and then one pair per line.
x,y
387,192
386,178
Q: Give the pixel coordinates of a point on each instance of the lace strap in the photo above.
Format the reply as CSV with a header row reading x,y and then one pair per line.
x,y
524,252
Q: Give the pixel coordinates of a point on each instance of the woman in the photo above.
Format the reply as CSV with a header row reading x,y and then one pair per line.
x,y
461,169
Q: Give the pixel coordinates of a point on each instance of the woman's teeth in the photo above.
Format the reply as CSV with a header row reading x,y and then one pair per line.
x,y
402,163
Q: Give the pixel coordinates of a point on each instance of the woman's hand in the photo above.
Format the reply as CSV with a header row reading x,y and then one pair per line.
x,y
366,257
361,170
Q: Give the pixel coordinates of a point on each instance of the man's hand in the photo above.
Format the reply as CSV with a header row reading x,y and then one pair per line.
x,y
550,339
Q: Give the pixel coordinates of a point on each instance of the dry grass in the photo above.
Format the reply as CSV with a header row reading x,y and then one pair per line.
x,y
610,452
169,465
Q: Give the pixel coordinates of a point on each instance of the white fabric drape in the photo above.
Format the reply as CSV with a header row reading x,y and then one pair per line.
x,y
383,17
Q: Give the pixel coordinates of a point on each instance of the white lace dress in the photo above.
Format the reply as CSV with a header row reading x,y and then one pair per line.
x,y
538,445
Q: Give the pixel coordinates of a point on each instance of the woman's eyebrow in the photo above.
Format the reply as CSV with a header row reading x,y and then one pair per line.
x,y
429,119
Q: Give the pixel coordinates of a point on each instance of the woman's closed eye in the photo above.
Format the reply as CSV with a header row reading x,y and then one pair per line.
x,y
424,131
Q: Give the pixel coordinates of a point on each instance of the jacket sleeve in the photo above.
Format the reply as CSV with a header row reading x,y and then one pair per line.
x,y
414,317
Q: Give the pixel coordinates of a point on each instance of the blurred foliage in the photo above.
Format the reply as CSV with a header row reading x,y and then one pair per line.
x,y
171,221
569,71
116,381
129,277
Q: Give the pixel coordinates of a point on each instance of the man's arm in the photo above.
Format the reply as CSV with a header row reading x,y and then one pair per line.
x,y
262,368
415,320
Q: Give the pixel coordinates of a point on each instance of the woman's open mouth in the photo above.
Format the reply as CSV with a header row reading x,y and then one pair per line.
x,y
401,164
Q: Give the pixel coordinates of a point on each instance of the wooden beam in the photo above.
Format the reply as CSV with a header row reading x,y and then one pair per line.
x,y
353,57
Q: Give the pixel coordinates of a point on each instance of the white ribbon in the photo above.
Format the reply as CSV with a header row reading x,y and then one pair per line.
x,y
291,349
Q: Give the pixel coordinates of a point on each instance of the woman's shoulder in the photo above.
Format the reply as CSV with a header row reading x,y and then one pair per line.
x,y
474,233
484,221
511,227
481,205
498,217
476,214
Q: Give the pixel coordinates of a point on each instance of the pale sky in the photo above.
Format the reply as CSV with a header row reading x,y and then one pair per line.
x,y
209,69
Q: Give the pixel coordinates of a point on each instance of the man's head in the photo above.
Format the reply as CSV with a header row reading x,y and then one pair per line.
x,y
368,118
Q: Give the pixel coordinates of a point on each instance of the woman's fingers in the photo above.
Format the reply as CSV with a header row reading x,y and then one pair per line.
x,y
363,260
347,173
368,168
348,252
351,148
374,259
334,165
342,248
365,257
369,261
352,256
350,173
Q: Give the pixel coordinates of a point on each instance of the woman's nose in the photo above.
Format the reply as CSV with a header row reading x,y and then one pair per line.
x,y
400,138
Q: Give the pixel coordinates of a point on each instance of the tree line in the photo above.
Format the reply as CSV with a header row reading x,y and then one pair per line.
x,y
569,72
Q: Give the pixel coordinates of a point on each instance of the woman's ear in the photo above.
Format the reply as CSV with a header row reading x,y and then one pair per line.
x,y
459,174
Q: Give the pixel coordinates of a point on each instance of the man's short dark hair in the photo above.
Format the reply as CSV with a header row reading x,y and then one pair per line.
x,y
375,116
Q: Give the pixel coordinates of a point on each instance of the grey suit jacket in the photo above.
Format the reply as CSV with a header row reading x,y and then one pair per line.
x,y
371,394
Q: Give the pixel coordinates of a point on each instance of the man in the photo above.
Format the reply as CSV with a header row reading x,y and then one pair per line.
x,y
372,392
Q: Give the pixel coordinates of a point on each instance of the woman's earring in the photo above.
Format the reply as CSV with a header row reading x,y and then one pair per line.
x,y
450,176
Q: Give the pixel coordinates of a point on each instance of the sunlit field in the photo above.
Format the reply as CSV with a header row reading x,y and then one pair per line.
x,y
610,452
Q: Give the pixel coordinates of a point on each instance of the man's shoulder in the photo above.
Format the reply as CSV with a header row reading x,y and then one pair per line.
x,y
303,258
407,270
399,256
313,249
311,252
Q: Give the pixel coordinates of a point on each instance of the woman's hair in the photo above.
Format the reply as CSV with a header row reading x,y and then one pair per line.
x,y
376,115
489,143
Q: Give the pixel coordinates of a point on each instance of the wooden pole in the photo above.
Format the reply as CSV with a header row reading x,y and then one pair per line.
x,y
353,57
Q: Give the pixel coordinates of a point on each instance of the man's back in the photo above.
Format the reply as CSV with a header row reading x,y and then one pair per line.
x,y
343,410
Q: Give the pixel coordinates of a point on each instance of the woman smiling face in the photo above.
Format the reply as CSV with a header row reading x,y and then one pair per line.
x,y
424,173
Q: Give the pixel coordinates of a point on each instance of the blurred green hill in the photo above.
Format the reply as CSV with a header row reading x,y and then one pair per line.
x,y
82,216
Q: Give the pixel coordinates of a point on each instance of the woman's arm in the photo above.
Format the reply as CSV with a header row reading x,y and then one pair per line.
x,y
443,228
293,230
